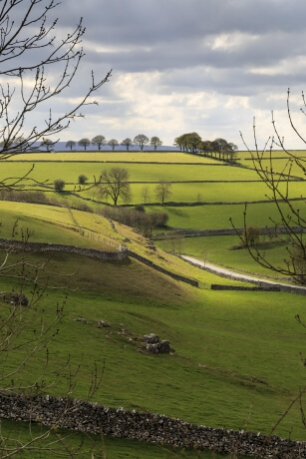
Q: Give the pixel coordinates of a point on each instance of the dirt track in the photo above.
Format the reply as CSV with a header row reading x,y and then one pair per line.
x,y
222,272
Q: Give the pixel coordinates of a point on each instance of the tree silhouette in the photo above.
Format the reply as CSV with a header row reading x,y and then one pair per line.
x,y
29,49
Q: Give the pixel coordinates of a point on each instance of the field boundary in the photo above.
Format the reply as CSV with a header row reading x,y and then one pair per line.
x,y
121,254
152,265
227,274
12,245
89,417
223,232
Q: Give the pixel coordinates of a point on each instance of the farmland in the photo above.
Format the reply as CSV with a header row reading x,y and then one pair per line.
x,y
237,354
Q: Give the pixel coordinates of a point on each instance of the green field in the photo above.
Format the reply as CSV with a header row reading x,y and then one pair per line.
x,y
137,172
215,381
281,162
212,216
121,157
225,251
237,353
110,448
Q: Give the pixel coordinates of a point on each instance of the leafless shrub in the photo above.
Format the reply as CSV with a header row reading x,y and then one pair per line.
x,y
144,222
289,226
37,197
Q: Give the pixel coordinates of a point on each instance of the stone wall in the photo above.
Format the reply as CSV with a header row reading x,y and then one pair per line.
x,y
89,417
223,232
49,247
243,288
152,265
108,256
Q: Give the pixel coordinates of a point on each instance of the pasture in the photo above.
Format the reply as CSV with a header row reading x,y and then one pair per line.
x,y
138,172
114,157
281,162
217,216
234,351
237,353
109,448
224,251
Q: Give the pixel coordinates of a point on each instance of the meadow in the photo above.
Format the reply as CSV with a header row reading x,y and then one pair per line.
x,y
114,157
282,162
237,361
212,216
138,172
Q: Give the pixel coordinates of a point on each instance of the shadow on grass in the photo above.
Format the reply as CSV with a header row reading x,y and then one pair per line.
x,y
178,212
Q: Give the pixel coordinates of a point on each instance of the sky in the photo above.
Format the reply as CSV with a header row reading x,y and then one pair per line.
x,y
205,66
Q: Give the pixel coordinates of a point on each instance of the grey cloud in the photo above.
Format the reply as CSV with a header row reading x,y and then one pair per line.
x,y
231,82
176,35
174,38
138,21
264,51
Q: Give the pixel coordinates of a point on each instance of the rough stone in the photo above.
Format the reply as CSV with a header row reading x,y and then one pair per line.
x,y
156,428
163,347
81,319
152,338
102,323
14,298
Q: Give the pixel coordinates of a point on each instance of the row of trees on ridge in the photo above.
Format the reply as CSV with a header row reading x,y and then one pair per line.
x,y
218,148
99,141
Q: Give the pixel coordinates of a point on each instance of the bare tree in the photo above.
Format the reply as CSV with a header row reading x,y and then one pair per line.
x,y
251,236
48,144
26,333
289,227
141,140
145,193
84,143
155,142
29,46
99,141
127,143
113,143
37,63
163,191
115,184
70,144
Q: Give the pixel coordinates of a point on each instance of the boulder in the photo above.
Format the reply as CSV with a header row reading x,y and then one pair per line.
x,y
81,319
14,298
151,338
103,324
163,347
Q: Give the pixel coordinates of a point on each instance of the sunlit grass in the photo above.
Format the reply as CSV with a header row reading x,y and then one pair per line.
x,y
48,171
237,354
107,156
226,344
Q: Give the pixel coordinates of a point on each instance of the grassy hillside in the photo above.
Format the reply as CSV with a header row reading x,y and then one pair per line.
x,y
109,447
236,360
234,351
208,372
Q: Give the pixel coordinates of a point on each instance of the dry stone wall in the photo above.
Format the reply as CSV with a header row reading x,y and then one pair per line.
x,y
90,417
120,255
246,289
49,247
152,265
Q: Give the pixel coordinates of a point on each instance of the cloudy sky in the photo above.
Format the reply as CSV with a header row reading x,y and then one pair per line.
x,y
180,66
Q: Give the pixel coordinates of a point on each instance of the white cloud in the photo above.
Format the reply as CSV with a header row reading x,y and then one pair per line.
x,y
232,41
206,66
